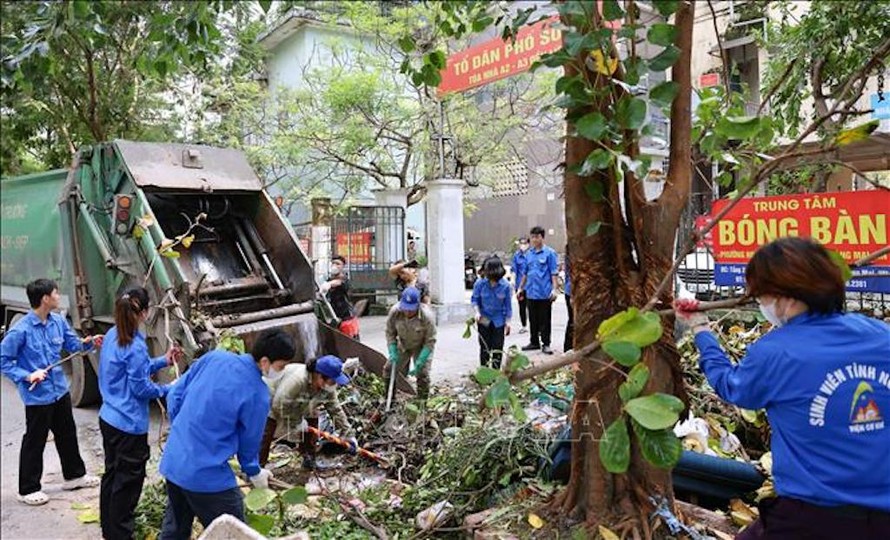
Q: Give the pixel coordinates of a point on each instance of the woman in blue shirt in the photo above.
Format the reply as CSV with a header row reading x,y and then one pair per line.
x,y
823,377
493,301
125,369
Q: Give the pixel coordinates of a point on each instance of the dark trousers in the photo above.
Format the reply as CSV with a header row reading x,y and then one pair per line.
x,y
783,518
491,344
125,458
569,341
39,421
539,320
184,505
523,309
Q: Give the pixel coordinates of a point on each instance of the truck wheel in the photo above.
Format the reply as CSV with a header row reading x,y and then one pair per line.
x,y
83,381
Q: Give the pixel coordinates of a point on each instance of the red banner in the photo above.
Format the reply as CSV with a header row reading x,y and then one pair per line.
x,y
356,247
853,223
498,59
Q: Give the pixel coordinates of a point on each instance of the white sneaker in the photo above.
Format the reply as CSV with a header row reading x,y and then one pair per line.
x,y
84,481
34,499
523,330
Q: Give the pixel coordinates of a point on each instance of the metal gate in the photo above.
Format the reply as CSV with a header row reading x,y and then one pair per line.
x,y
371,239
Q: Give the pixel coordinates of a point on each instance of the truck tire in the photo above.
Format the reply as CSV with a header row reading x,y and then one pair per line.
x,y
83,381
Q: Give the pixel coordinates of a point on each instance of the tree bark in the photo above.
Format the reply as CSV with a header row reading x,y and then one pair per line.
x,y
605,282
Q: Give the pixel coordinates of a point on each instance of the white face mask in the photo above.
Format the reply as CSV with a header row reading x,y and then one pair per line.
x,y
523,247
331,387
273,374
335,270
769,311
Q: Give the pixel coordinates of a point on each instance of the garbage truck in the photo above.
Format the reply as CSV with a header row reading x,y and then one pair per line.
x,y
193,224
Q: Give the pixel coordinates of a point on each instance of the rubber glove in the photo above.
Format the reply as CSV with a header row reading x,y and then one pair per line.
x,y
261,479
422,359
394,353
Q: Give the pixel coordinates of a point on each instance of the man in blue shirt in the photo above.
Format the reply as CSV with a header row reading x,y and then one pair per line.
x,y
27,351
539,286
519,267
218,409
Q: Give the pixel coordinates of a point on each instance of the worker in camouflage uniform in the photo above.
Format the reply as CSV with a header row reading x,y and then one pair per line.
x,y
297,393
411,335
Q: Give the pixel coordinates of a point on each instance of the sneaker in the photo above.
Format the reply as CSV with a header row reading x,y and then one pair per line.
x,y
85,481
531,347
34,499
546,349
523,330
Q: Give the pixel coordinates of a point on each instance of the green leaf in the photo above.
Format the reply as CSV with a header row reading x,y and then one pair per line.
x,y
259,498
665,58
666,7
663,94
655,411
634,69
593,227
486,375
639,328
88,516
611,10
623,352
662,34
597,160
481,24
518,409
437,59
594,189
615,447
517,362
295,495
171,254
260,523
406,43
836,258
631,112
661,447
738,127
636,381
265,5
499,393
592,126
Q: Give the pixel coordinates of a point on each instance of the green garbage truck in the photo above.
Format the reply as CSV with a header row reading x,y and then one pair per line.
x,y
193,224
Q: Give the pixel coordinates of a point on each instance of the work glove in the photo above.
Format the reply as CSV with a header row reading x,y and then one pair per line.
x,y
394,353
261,479
687,311
422,359
353,445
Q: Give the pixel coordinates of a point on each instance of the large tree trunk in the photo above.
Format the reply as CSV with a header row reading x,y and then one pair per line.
x,y
619,267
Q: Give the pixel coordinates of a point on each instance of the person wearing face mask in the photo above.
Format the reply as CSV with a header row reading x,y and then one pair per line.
x,y
217,410
405,274
822,376
410,335
336,289
125,370
298,391
520,266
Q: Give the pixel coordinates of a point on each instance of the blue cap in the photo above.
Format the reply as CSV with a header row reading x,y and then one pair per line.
x,y
331,367
410,299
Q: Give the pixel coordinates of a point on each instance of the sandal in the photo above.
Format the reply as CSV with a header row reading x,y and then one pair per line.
x,y
85,481
34,499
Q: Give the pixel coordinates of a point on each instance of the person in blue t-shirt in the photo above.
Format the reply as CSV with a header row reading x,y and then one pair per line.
x,y
493,301
27,355
823,377
125,370
539,287
519,266
218,409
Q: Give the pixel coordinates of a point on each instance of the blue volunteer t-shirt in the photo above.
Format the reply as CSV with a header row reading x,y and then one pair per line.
x,y
824,381
494,302
542,265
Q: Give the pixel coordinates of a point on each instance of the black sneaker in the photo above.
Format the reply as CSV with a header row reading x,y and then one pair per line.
x,y
531,347
546,349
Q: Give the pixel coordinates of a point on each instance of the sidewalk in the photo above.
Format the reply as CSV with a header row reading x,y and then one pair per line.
x,y
456,357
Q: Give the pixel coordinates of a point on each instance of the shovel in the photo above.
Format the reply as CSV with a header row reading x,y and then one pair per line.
x,y
344,443
392,386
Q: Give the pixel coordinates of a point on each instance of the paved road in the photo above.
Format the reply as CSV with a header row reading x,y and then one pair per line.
x,y
455,357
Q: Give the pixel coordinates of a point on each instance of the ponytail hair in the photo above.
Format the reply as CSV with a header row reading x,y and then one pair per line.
x,y
127,310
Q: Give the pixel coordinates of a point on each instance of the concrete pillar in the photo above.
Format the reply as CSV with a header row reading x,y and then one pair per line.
x,y
445,240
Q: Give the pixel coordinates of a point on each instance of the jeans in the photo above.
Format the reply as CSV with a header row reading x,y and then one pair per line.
x,y
125,458
184,505
39,421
